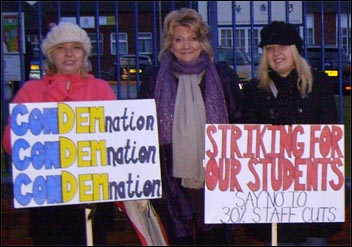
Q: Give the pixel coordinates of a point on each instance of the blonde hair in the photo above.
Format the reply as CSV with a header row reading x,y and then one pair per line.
x,y
188,18
305,77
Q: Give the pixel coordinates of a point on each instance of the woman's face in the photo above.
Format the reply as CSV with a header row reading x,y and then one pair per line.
x,y
185,45
280,59
68,58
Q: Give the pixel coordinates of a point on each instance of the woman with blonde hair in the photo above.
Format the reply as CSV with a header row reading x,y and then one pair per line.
x,y
287,91
190,90
286,88
67,48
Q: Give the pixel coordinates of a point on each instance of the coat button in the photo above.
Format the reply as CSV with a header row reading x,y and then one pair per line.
x,y
300,110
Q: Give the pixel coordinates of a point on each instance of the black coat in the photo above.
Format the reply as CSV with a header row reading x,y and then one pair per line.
x,y
260,107
318,108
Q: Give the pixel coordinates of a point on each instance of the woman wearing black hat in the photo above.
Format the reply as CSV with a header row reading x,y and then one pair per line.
x,y
289,92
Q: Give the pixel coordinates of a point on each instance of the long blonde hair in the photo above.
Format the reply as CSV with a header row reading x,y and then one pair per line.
x,y
189,18
305,77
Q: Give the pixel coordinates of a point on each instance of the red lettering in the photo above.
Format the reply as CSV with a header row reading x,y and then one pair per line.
x,y
224,170
236,134
324,173
286,141
274,129
312,175
288,174
325,141
265,173
298,173
235,169
225,173
313,139
250,129
211,174
337,135
210,130
276,182
256,185
224,128
340,181
297,147
260,143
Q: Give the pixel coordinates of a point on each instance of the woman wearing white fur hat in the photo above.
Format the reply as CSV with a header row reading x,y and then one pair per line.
x,y
67,48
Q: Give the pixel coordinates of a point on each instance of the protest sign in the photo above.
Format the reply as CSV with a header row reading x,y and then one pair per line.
x,y
84,152
274,174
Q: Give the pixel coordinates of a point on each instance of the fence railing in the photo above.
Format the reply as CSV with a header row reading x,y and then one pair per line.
x,y
126,23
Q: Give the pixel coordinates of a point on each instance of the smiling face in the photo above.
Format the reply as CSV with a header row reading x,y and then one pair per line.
x,y
280,58
185,45
68,58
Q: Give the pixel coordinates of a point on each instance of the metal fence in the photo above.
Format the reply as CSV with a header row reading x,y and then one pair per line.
x,y
30,21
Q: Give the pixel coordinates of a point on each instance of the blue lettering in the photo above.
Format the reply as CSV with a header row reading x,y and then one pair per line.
x,y
21,180
46,155
42,155
19,130
20,164
42,189
39,122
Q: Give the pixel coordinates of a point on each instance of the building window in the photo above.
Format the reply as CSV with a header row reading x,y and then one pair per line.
x,y
123,43
240,42
145,43
93,40
310,30
256,41
242,39
346,44
310,36
225,37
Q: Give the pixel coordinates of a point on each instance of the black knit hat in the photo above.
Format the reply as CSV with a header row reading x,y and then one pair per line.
x,y
280,33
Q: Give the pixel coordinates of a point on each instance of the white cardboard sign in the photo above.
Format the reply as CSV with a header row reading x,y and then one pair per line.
x,y
84,152
274,174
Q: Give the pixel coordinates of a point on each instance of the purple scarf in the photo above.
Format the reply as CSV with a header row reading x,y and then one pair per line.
x,y
166,88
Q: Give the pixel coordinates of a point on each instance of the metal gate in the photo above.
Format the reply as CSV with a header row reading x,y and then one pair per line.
x,y
137,27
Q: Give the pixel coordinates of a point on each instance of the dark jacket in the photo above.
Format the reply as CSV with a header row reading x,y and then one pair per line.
x,y
318,108
260,107
178,204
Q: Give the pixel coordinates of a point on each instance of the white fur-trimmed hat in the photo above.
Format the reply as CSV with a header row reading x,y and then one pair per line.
x,y
66,32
